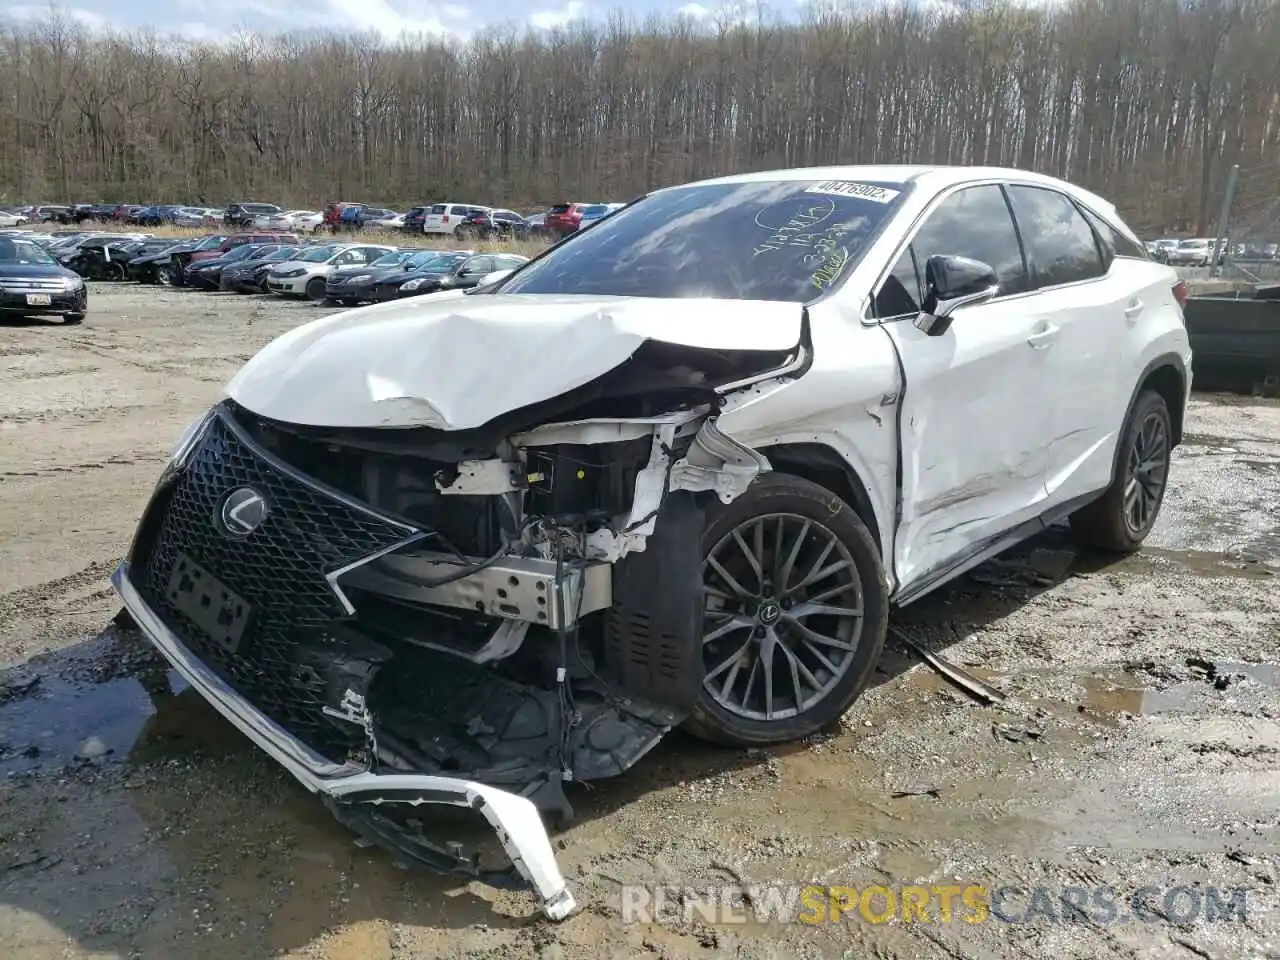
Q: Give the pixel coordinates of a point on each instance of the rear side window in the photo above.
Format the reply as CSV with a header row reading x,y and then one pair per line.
x,y
1113,241
1060,243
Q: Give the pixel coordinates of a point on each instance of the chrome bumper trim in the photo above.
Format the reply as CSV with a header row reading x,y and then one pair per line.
x,y
514,818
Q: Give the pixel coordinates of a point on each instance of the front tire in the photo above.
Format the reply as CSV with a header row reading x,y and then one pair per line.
x,y
72,319
315,290
1123,516
796,613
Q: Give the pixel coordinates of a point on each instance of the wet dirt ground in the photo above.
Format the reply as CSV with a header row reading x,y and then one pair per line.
x,y
1137,744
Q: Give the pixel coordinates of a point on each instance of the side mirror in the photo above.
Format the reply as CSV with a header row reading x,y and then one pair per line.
x,y
952,283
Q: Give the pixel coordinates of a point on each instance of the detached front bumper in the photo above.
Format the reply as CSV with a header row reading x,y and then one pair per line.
x,y
514,818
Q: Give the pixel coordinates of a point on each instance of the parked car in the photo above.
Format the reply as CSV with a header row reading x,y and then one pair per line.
x,y
285,220
207,274
426,269
173,271
357,283
67,250
341,215
48,212
306,275
240,239
536,224
414,219
1196,252
445,273
34,284
146,265
1160,249
445,218
13,219
595,212
564,218
250,275
392,221
102,258
242,215
493,224
727,449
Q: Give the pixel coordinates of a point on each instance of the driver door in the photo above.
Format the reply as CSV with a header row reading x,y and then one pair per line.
x,y
978,404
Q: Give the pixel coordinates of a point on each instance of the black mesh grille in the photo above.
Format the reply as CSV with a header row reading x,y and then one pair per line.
x,y
279,570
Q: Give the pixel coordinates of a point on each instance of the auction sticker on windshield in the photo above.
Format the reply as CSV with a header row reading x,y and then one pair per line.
x,y
862,191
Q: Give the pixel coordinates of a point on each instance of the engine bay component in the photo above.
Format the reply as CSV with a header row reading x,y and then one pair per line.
x,y
529,589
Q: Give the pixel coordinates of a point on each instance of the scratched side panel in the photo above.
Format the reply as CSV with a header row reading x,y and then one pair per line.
x,y
845,401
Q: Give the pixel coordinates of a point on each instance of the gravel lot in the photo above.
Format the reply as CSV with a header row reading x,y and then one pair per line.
x,y
1137,746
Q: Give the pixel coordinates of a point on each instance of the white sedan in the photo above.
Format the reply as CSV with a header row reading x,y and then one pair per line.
x,y
12,219
674,471
305,276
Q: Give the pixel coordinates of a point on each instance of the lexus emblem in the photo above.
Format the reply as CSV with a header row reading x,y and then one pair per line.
x,y
243,511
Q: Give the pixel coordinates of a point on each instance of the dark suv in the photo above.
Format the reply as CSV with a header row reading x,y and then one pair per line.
x,y
243,214
414,219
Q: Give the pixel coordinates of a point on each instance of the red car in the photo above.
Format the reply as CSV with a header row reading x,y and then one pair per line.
x,y
564,218
238,239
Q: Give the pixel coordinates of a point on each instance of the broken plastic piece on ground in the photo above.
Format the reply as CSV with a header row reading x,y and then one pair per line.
x,y
982,692
514,818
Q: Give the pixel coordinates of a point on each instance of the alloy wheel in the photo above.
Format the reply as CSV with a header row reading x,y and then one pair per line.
x,y
783,616
1146,472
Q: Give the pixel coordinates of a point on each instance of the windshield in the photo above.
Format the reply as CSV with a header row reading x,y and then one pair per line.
x,y
783,241
209,243
318,254
22,251
284,253
595,210
443,263
260,208
1193,244
393,259
418,260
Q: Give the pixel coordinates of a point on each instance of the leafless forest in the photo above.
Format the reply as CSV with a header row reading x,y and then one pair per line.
x,y
1147,101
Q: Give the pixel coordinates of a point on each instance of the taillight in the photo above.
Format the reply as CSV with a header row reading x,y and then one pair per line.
x,y
1180,293
444,218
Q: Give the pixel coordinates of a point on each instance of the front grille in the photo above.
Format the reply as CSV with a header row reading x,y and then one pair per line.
x,y
279,570
25,285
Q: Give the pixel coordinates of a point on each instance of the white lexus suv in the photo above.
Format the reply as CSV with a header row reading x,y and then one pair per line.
x,y
676,470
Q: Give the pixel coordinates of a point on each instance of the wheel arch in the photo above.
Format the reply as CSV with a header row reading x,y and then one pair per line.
x,y
1167,376
824,466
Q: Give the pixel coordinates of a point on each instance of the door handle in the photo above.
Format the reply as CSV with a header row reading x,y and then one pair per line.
x,y
1043,338
1133,309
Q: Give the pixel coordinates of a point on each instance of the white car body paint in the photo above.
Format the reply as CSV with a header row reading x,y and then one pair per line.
x,y
429,362
1059,406
297,285
960,440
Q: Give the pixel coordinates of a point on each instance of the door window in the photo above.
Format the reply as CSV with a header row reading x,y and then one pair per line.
x,y
974,222
1060,242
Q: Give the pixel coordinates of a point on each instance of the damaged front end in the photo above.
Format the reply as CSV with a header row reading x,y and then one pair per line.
x,y
473,618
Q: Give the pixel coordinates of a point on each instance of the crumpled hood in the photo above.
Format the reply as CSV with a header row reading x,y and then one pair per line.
x,y
454,362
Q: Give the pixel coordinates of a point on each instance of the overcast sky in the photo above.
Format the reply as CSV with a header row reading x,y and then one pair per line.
x,y
211,18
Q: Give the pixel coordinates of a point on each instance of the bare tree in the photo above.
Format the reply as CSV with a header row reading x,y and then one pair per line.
x,y
1146,101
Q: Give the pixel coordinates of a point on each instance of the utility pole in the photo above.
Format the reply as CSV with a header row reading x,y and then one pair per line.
x,y
1224,221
